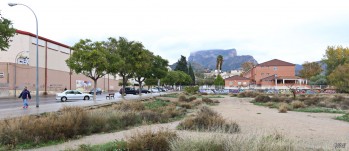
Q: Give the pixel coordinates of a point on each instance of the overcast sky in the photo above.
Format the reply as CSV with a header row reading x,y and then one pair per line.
x,y
291,30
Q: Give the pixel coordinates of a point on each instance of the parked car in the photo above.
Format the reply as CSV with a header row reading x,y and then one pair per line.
x,y
99,91
129,90
72,95
155,90
144,91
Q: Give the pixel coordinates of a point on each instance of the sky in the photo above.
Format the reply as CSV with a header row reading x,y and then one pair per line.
x,y
291,30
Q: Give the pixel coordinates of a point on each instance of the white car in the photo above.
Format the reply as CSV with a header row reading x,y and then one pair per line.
x,y
154,90
72,95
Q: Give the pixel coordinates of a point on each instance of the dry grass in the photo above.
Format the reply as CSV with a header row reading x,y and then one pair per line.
x,y
297,104
71,122
148,140
207,100
251,94
262,98
283,107
254,142
208,120
183,98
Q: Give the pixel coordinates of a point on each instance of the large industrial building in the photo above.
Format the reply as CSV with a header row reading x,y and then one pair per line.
x,y
18,68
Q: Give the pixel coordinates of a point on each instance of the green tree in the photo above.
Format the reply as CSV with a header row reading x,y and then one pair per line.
x,y
318,80
219,81
334,57
340,77
171,78
127,50
191,74
143,66
6,32
310,69
182,65
89,58
219,63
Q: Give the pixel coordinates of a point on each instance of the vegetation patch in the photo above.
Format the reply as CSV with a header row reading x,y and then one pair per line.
x,y
319,110
208,120
343,118
73,122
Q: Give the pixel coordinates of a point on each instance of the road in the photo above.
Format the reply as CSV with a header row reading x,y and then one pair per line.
x,y
17,102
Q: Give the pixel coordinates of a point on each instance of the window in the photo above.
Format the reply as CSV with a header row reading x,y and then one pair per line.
x,y
231,83
275,68
239,83
267,73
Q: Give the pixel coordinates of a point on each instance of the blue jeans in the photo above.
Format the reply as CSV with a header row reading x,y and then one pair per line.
x,y
25,102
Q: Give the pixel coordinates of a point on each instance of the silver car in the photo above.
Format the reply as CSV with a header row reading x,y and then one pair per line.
x,y
72,95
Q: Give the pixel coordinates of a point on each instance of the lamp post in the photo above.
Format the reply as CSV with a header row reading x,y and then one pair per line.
x,y
37,53
15,88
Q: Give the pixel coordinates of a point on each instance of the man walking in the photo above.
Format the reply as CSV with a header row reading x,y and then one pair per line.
x,y
25,94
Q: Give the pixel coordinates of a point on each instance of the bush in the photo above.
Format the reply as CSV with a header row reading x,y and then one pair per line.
x,y
251,94
130,106
191,89
338,98
182,98
208,120
283,107
262,98
207,100
297,104
148,140
269,104
312,101
192,98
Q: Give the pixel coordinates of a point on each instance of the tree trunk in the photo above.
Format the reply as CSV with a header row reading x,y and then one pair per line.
x,y
95,90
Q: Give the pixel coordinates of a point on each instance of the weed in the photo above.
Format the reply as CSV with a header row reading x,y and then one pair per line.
x,y
297,104
283,107
262,98
148,140
343,118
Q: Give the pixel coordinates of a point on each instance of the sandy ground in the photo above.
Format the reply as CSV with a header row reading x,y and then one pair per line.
x,y
312,129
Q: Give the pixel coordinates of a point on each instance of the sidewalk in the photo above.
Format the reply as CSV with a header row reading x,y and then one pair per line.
x,y
33,110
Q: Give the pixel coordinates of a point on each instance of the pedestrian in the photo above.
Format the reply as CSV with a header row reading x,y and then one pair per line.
x,y
65,89
25,94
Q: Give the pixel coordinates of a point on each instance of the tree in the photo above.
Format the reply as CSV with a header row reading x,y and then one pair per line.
x,y
182,65
340,77
89,58
334,57
219,63
171,78
219,81
191,74
6,32
246,66
318,80
143,66
126,50
310,69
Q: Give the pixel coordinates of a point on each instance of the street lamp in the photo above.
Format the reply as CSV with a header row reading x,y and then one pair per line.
x,y
15,88
37,53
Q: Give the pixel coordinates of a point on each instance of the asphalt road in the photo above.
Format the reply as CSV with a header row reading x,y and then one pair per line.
x,y
17,102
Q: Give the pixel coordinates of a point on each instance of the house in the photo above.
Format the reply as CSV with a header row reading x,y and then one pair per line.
x,y
273,74
236,82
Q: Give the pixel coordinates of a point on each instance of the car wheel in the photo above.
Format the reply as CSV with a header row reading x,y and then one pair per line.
x,y
86,98
63,99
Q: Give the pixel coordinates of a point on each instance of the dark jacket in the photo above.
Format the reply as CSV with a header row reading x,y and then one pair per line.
x,y
25,94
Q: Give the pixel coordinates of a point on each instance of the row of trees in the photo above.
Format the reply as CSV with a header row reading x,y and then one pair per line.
x,y
129,59
336,60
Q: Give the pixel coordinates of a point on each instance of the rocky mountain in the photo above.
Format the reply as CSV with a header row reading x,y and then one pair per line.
x,y
208,58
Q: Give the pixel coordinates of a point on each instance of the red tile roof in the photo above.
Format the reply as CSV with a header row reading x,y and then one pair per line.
x,y
276,62
236,77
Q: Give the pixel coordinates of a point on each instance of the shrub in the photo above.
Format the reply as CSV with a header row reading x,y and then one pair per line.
x,y
262,98
251,94
182,98
192,98
150,116
312,101
130,106
216,101
207,100
191,89
297,104
338,98
186,105
283,107
148,140
208,120
269,104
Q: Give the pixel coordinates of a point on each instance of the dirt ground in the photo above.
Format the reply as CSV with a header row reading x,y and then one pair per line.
x,y
311,129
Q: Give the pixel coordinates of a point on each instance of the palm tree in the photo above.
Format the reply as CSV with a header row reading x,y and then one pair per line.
x,y
219,63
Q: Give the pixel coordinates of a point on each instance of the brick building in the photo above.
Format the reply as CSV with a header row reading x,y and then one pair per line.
x,y
273,74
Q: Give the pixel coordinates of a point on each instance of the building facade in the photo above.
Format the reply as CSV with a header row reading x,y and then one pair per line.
x,y
18,68
275,73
